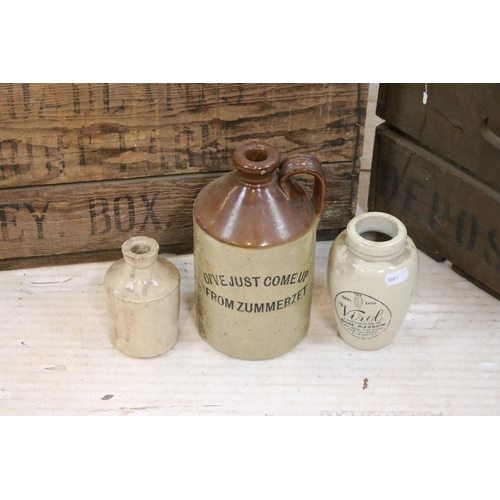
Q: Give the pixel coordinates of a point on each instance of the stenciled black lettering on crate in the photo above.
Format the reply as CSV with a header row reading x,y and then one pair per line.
x,y
450,214
85,166
61,133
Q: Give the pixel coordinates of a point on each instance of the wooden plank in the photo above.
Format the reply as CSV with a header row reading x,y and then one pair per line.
x,y
479,284
444,209
89,221
86,217
459,122
65,133
382,99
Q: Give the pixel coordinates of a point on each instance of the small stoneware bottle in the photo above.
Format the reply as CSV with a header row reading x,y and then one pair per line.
x,y
372,275
254,249
143,298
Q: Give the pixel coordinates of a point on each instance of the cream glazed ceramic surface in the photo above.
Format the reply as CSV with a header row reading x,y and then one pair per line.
x,y
143,299
253,303
371,283
254,249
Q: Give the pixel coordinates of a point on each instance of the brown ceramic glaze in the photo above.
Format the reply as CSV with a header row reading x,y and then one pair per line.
x,y
259,204
254,249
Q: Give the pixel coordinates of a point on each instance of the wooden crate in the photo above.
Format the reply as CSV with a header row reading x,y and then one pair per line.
x,y
83,167
436,166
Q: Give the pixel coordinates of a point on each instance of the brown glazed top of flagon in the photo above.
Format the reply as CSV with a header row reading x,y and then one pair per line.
x,y
259,204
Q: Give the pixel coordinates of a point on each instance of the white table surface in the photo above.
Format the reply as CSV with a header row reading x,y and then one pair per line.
x,y
56,358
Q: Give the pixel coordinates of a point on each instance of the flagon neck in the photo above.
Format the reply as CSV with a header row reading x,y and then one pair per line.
x,y
256,163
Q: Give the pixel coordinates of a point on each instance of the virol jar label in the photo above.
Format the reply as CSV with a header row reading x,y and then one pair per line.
x,y
253,303
364,317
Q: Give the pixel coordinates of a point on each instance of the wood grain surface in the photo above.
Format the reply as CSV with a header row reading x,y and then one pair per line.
x,y
64,133
446,211
99,216
459,122
83,167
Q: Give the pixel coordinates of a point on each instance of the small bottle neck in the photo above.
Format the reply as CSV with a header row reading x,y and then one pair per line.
x,y
376,235
140,252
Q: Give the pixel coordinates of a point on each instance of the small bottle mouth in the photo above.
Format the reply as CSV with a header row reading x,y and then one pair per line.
x,y
256,161
376,234
140,251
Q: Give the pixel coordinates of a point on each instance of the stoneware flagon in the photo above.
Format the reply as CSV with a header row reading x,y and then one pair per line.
x,y
143,299
372,276
254,250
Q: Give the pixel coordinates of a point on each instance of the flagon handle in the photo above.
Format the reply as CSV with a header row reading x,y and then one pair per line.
x,y
299,164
